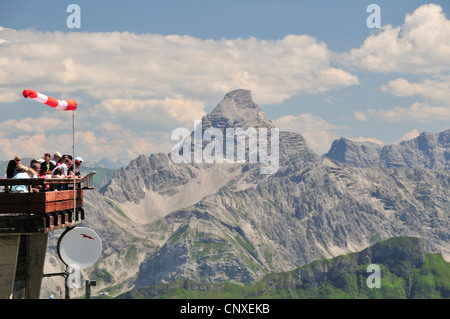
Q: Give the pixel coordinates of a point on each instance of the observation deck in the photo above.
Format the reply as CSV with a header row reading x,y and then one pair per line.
x,y
26,219
43,211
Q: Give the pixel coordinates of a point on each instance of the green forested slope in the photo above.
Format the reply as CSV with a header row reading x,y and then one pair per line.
x,y
406,271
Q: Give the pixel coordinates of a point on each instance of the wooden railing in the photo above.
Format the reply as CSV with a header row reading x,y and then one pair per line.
x,y
41,211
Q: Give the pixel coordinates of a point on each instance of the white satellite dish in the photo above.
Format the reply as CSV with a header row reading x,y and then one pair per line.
x,y
80,247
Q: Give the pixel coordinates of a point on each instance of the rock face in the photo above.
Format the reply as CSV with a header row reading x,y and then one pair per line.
x,y
237,109
297,216
406,270
227,221
428,150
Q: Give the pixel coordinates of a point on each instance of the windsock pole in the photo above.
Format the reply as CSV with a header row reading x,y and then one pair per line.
x,y
73,164
64,105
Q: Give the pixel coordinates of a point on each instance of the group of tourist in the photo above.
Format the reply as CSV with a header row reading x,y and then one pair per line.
x,y
60,166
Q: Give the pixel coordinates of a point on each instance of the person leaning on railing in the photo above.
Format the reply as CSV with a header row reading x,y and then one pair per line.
x,y
25,172
33,174
57,173
11,169
46,166
21,172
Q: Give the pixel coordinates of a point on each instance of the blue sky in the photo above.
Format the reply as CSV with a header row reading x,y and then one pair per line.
x,y
139,69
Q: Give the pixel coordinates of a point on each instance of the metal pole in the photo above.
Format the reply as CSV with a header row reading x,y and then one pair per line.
x,y
66,285
73,163
66,278
88,289
88,284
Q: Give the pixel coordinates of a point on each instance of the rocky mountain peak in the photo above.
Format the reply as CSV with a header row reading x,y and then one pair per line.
x,y
428,150
354,153
223,221
237,109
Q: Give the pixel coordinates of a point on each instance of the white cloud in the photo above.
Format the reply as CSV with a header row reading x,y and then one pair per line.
x,y
409,135
362,139
126,65
416,113
318,133
140,85
122,144
23,145
363,115
437,89
30,125
8,96
131,88
168,111
420,45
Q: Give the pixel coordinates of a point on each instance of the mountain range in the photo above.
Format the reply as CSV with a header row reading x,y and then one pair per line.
x,y
226,222
406,271
428,150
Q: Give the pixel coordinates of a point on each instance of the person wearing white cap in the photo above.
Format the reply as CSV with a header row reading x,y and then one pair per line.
x,y
78,162
56,158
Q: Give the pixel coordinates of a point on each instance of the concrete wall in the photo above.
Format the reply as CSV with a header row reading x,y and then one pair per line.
x,y
9,250
22,260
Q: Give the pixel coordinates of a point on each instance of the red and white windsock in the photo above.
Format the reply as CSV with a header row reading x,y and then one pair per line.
x,y
64,105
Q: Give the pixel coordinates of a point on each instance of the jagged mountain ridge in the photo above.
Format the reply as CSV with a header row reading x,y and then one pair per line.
x,y
218,222
428,150
282,223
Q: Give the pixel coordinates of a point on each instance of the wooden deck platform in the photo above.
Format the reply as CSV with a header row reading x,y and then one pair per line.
x,y
41,212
